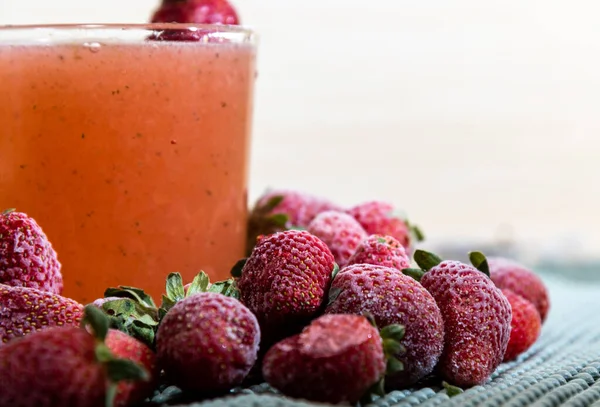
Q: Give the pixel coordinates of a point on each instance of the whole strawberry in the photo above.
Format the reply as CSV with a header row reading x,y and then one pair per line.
x,y
196,12
509,274
476,317
526,325
340,231
207,343
381,250
380,218
285,280
63,366
27,258
337,358
280,209
393,298
26,310
131,393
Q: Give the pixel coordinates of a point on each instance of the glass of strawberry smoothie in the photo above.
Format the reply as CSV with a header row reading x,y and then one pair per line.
x,y
130,147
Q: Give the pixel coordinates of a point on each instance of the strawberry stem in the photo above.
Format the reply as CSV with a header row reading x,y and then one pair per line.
x,y
7,211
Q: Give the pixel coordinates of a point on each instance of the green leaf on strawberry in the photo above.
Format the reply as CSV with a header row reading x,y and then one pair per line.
x,y
130,292
479,261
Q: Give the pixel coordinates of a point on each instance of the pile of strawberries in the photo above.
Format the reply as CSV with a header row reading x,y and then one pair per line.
x,y
331,304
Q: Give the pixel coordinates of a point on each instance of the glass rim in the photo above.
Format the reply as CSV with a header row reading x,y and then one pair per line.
x,y
131,26
50,33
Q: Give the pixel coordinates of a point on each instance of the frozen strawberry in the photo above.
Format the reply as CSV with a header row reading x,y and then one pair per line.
x,y
26,310
196,12
526,325
381,250
27,258
509,274
340,231
381,218
64,366
336,359
207,343
393,298
131,393
476,317
285,281
279,210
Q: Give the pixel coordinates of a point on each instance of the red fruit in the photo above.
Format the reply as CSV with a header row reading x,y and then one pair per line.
x,y
476,320
26,310
381,250
393,298
27,258
279,210
526,325
336,359
299,207
285,280
61,366
340,231
196,12
207,343
126,347
509,274
379,218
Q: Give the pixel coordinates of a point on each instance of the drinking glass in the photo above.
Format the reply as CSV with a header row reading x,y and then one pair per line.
x,y
129,145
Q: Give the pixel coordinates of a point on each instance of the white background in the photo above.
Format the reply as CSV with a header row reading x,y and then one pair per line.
x,y
479,118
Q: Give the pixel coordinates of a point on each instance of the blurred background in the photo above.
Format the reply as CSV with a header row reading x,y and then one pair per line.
x,y
480,119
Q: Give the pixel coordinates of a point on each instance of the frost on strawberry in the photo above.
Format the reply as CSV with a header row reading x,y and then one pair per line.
x,y
285,281
196,12
27,310
509,274
280,209
381,250
340,231
65,366
132,393
382,218
134,312
335,359
27,258
393,298
526,325
476,316
207,343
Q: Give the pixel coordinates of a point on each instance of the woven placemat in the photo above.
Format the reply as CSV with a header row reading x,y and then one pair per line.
x,y
561,369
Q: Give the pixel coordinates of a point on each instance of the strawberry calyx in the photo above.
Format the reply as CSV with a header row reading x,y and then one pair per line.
x,y
415,231
391,337
9,210
117,369
135,313
236,270
479,261
132,312
175,290
452,390
427,261
263,221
